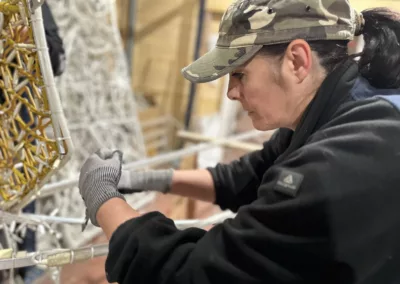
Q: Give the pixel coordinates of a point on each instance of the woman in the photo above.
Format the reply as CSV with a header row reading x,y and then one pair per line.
x,y
318,204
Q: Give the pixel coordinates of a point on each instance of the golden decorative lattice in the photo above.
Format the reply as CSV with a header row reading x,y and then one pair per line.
x,y
34,139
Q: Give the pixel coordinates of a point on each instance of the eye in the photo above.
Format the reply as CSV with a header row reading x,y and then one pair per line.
x,y
237,75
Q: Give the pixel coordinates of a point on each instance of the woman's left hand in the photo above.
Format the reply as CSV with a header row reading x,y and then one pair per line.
x,y
99,179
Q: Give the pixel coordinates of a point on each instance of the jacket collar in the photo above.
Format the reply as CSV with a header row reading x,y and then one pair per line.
x,y
335,89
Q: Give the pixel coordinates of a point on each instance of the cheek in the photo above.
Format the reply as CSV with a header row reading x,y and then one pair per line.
x,y
258,99
268,103
254,95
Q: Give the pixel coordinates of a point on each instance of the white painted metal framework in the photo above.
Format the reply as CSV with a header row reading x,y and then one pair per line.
x,y
96,99
98,103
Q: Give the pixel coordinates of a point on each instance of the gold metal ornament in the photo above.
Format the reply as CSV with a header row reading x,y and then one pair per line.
x,y
34,138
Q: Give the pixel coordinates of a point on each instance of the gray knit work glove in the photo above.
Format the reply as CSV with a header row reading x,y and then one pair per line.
x,y
98,180
139,181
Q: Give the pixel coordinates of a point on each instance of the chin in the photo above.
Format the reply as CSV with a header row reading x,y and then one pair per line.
x,y
260,126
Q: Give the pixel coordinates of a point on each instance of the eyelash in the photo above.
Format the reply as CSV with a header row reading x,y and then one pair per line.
x,y
237,75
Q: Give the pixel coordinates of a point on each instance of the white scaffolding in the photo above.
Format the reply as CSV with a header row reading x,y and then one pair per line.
x,y
98,103
102,112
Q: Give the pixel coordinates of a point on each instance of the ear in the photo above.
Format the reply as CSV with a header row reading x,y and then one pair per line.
x,y
298,60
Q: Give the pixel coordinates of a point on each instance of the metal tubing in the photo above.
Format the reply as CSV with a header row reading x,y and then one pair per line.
x,y
192,94
221,141
131,35
48,190
180,224
57,258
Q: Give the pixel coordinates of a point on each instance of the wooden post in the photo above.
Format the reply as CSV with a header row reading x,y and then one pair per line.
x,y
185,208
179,95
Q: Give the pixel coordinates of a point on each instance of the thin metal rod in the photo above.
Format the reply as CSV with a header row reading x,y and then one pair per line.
x,y
131,35
54,219
221,141
37,219
180,224
49,189
57,258
192,94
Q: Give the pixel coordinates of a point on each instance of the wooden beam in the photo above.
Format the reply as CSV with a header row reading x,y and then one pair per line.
x,y
223,142
218,6
185,208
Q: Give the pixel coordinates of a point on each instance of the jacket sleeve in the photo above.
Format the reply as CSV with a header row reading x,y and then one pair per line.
x,y
236,183
267,242
327,228
54,41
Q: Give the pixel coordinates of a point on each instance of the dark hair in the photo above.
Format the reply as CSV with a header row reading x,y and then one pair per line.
x,y
379,61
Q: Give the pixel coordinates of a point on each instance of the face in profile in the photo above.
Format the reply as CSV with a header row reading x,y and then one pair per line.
x,y
256,87
275,92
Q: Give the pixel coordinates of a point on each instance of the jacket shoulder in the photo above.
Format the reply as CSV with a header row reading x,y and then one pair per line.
x,y
394,100
374,113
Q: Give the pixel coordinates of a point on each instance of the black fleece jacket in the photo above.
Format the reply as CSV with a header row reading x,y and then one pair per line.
x,y
318,205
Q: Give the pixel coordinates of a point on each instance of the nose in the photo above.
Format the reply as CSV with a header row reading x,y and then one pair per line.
x,y
233,90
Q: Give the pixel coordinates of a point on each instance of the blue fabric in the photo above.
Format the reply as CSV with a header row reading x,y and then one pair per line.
x,y
394,100
32,274
363,90
29,244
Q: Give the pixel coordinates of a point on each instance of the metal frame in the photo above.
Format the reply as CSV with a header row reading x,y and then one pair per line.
x,y
131,35
50,189
57,258
10,259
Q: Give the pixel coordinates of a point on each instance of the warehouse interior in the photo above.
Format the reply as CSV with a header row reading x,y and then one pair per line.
x,y
122,88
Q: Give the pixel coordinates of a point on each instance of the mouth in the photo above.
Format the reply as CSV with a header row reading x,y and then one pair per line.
x,y
249,112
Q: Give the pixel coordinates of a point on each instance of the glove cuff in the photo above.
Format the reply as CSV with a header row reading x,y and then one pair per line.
x,y
153,180
163,181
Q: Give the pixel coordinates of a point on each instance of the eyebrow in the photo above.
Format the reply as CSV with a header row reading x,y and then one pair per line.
x,y
237,70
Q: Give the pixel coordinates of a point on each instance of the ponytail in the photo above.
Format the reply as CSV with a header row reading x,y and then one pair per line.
x,y
380,60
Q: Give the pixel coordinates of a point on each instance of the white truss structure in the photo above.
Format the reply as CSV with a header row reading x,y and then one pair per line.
x,y
101,111
98,103
53,258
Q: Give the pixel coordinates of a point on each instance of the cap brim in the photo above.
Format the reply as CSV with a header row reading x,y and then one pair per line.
x,y
218,62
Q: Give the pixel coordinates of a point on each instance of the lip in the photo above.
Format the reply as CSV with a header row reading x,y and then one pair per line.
x,y
248,111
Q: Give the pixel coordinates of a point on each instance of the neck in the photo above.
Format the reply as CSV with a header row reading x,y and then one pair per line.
x,y
299,110
317,79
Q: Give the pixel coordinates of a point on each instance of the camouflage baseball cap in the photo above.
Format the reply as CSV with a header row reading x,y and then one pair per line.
x,y
248,25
